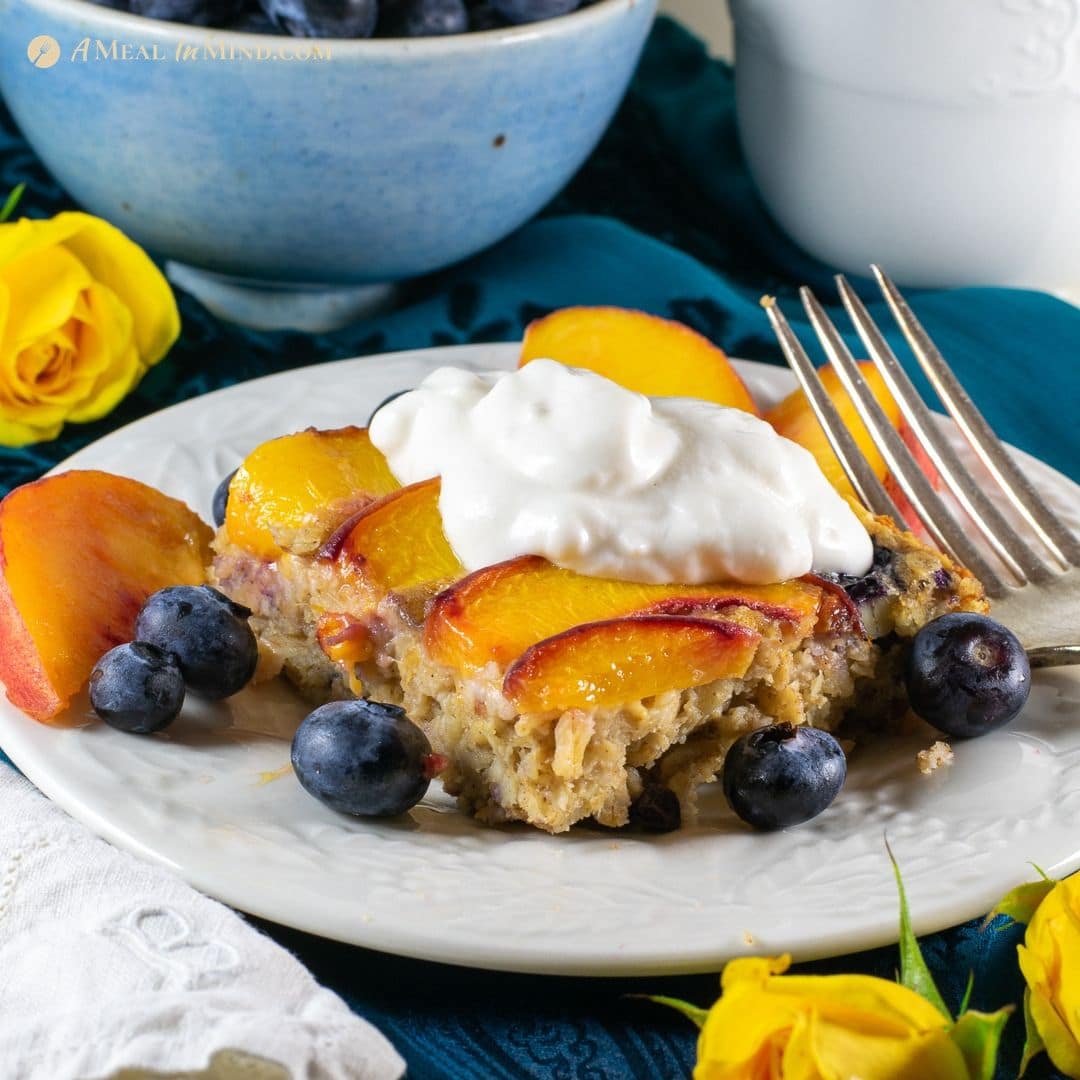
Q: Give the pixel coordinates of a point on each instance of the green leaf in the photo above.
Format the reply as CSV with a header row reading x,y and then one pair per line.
x,y
1020,904
978,1036
967,994
12,201
914,974
1033,1043
691,1012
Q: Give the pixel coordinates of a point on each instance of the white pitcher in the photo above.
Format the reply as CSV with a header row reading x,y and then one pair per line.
x,y
940,138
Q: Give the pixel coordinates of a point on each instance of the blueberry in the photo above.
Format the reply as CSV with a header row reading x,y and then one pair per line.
x,y
385,401
967,674
255,22
362,758
324,18
220,502
526,11
423,18
656,809
208,635
137,688
873,581
783,775
872,593
483,16
193,12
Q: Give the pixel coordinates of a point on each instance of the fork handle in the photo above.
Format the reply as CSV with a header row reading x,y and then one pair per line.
x,y
1054,656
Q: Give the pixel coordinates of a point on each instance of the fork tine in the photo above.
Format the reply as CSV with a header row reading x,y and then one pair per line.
x,y
866,484
1018,489
935,515
1002,537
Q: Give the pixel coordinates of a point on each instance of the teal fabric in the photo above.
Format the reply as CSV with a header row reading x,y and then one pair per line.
x,y
663,218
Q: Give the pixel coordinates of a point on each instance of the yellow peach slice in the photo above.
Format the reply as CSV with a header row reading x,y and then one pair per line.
x,y
645,353
398,542
79,554
298,488
497,613
622,660
794,419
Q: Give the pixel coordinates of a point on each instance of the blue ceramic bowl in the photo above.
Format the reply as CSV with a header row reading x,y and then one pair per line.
x,y
375,161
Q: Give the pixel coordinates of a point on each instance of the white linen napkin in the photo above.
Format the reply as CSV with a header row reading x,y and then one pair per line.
x,y
108,963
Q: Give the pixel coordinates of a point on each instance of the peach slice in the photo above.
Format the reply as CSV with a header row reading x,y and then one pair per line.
x,y
622,660
497,613
79,554
346,641
642,352
298,488
794,419
398,542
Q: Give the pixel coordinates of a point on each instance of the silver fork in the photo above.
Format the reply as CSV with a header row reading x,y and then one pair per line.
x,y
1034,582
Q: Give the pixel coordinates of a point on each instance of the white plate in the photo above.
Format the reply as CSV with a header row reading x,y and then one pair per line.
x,y
210,799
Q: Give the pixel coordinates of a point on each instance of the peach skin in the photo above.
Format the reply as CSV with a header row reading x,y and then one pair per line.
x,y
623,660
313,479
398,542
79,554
499,612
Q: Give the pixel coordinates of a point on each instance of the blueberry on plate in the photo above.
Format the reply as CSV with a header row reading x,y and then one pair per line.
x,y
137,688
656,809
967,674
324,18
783,775
385,401
193,12
220,502
423,18
208,635
526,11
363,758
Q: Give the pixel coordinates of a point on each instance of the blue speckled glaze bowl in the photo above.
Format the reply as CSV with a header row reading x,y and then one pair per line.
x,y
382,160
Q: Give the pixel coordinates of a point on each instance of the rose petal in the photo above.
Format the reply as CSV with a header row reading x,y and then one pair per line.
x,y
111,322
42,289
15,433
770,1025
5,304
1050,963
124,267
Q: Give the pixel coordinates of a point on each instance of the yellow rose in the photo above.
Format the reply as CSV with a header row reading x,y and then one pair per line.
x,y
83,313
771,1026
1050,961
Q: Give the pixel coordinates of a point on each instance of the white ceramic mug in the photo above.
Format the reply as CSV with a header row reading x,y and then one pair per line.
x,y
940,138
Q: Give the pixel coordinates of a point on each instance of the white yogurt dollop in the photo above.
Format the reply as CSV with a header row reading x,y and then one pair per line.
x,y
555,461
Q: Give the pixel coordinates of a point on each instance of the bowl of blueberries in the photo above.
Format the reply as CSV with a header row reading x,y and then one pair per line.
x,y
304,144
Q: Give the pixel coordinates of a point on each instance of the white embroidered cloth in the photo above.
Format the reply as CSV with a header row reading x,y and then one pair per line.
x,y
110,963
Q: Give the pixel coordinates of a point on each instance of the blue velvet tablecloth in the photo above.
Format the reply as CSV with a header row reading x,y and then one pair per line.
x,y
664,218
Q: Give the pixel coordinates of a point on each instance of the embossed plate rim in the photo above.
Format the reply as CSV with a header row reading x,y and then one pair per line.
x,y
443,888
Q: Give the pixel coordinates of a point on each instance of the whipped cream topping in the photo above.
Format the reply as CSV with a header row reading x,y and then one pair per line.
x,y
554,461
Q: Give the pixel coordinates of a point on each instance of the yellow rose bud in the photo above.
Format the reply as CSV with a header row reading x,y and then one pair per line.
x,y
83,313
1050,961
771,1026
